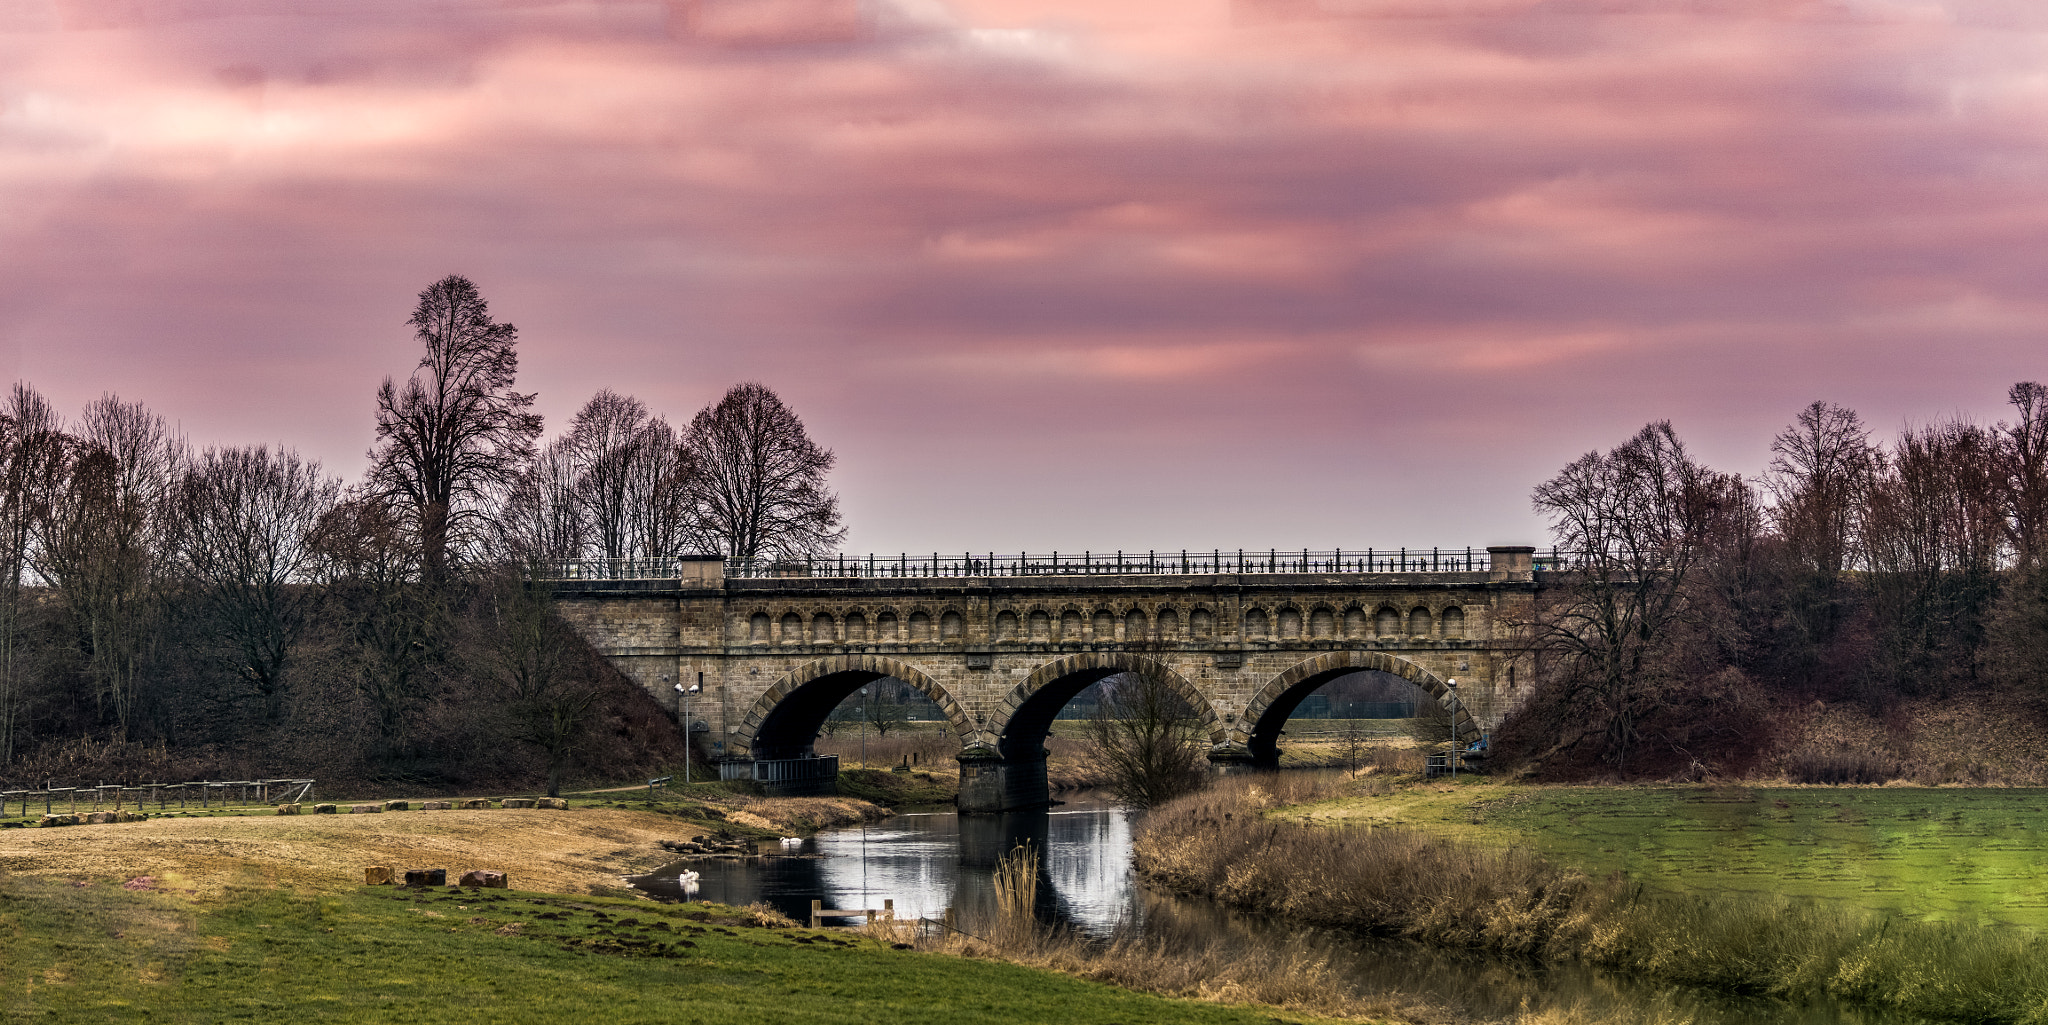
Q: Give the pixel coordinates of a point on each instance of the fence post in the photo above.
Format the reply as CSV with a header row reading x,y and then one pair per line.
x,y
816,905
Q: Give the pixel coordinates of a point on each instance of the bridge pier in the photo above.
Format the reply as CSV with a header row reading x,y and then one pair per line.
x,y
991,784
1229,759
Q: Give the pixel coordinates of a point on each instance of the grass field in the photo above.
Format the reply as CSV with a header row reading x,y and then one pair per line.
x,y
1949,854
105,950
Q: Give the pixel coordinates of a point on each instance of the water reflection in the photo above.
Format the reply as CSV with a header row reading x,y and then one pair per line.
x,y
930,861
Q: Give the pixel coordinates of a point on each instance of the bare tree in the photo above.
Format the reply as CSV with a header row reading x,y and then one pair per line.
x,y
102,547
243,519
1821,467
659,501
542,673
1639,520
543,519
1936,532
759,487
365,560
33,449
454,438
607,436
1147,740
2024,474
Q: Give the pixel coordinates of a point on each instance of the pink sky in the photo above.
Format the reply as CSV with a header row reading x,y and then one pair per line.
x,y
1054,274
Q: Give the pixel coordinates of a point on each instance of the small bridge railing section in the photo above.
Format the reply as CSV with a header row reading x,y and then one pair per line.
x,y
118,796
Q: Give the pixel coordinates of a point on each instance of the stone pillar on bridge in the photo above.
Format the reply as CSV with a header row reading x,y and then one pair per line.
x,y
991,783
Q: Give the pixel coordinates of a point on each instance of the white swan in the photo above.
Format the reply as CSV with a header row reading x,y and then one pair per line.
x,y
791,841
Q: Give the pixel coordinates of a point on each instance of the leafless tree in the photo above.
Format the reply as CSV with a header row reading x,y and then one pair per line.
x,y
103,545
759,487
659,507
2024,474
364,558
1821,467
1936,532
33,449
543,519
453,439
1639,520
542,673
607,436
243,519
1147,740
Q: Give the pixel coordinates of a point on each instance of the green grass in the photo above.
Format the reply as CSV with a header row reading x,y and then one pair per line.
x,y
1966,856
101,953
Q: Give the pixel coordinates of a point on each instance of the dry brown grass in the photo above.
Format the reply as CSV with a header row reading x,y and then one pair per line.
x,y
1986,740
580,851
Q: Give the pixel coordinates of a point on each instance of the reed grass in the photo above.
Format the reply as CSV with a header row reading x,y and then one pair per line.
x,y
1407,883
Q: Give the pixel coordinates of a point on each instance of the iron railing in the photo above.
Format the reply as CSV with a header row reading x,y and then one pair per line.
x,y
1119,563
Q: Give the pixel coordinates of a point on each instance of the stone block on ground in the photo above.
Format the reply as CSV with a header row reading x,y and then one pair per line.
x,y
516,802
557,803
483,878
365,809
323,809
435,806
60,820
377,875
426,877
476,804
396,806
101,818
288,809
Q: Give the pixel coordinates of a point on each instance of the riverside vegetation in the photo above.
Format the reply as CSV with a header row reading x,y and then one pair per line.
x,y
1405,882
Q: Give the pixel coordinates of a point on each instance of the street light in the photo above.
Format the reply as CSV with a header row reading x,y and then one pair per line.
x,y
863,727
1453,695
689,740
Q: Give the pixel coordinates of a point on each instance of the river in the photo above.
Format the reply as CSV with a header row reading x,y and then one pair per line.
x,y
929,860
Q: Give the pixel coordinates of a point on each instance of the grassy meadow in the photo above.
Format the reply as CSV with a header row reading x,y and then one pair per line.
x,y
1969,856
109,950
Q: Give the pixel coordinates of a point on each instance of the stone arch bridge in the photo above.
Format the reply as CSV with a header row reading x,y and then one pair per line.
x,y
1001,644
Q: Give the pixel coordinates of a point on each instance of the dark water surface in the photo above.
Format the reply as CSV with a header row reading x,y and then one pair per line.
x,y
927,861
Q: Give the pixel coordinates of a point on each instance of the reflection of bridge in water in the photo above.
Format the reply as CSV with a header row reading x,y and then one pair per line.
x,y
929,862
1001,643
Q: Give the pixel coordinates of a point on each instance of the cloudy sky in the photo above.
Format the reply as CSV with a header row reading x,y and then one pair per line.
x,y
1053,273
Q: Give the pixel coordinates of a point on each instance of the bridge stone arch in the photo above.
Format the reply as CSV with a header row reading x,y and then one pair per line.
x,y
1027,712
1267,711
785,719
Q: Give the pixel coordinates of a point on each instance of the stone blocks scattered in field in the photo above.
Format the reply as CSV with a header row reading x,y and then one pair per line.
x,y
323,809
396,805
436,806
60,820
476,804
426,877
288,809
377,875
365,809
480,877
516,802
557,803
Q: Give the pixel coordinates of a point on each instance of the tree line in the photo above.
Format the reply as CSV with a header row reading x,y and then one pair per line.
x,y
1697,605
164,607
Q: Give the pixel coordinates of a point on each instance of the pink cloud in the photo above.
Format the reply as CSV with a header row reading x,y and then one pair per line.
x,y
1052,273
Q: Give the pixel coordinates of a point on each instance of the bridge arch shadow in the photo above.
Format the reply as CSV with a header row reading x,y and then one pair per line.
x,y
785,720
1267,712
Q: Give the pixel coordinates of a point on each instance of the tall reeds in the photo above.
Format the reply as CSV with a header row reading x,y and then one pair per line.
x,y
1400,882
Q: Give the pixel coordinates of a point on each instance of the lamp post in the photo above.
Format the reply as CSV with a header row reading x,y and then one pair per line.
x,y
1453,685
689,737
863,727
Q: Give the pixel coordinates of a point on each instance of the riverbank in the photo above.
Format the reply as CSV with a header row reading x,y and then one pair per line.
x,y
1394,880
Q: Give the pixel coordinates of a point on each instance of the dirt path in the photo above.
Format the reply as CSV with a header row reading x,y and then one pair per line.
x,y
561,851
